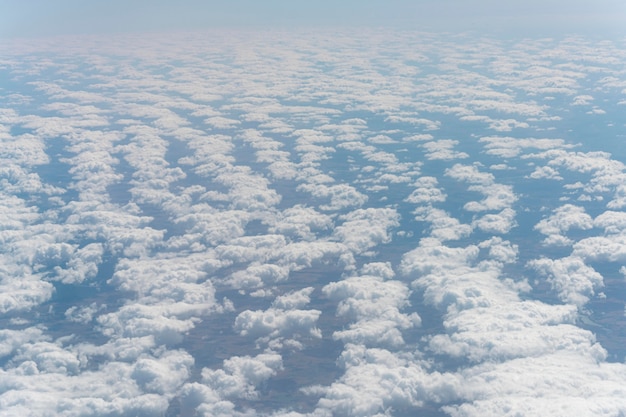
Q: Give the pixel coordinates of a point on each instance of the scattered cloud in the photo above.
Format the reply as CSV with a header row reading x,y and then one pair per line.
x,y
304,198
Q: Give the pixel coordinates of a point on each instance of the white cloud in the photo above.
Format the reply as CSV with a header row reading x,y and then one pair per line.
x,y
364,229
503,332
610,248
376,380
573,280
443,227
453,278
250,248
418,137
301,255
558,384
242,374
154,213
337,196
611,221
443,150
41,386
509,147
219,122
280,323
294,300
426,123
213,226
83,314
375,306
10,340
497,197
258,275
83,264
426,191
500,223
582,100
563,219
545,172
619,200
136,320
21,291
301,222
606,174
470,173
163,375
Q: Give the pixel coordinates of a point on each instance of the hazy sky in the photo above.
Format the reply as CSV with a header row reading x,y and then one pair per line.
x,y
49,17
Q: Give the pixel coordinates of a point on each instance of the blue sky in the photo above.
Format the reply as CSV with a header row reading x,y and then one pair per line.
x,y
43,17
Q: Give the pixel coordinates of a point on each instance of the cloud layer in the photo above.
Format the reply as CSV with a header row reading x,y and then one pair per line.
x,y
319,224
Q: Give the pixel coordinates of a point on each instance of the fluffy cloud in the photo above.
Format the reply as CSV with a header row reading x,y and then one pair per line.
x,y
563,219
364,229
545,173
500,223
300,222
611,221
509,147
157,189
116,388
610,248
334,197
426,191
238,380
572,383
376,380
283,323
503,332
443,150
570,277
443,227
375,306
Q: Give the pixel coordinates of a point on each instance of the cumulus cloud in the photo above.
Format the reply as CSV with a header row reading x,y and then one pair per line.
x,y
442,226
301,222
364,229
443,150
376,380
375,306
500,223
284,323
545,173
509,147
334,197
573,280
583,387
238,379
582,100
610,248
606,174
563,219
426,192
505,332
611,221
160,195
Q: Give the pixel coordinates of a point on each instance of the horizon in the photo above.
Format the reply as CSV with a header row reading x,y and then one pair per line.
x,y
39,18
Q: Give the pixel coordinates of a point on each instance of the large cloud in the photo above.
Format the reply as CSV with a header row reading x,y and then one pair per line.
x,y
283,323
364,229
375,306
163,195
561,221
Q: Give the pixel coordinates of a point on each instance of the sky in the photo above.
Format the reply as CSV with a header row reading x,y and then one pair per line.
x,y
45,18
357,223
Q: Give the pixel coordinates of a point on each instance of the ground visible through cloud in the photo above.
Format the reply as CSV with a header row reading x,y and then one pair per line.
x,y
321,224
